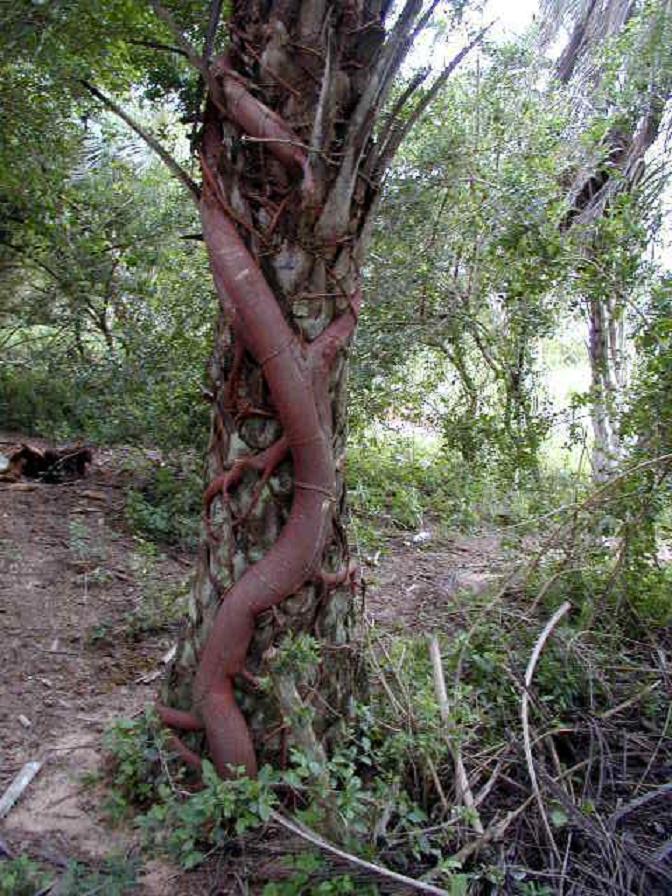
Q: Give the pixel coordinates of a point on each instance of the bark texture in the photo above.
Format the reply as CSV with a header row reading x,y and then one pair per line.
x,y
291,170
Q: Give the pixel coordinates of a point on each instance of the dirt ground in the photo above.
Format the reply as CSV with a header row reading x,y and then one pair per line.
x,y
72,583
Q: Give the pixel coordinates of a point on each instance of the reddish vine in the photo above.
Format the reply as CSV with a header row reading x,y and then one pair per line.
x,y
290,372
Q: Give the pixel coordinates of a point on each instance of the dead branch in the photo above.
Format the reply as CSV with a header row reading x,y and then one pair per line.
x,y
524,714
462,788
306,834
17,786
171,163
637,803
397,134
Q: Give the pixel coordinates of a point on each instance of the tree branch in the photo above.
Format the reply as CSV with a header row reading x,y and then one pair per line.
x,y
157,45
395,112
199,63
399,133
171,163
213,24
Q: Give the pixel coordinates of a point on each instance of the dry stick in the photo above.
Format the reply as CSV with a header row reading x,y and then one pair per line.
x,y
18,785
316,840
524,715
497,830
462,788
637,803
653,756
174,166
615,710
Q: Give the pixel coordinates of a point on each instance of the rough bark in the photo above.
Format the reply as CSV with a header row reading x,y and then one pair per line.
x,y
286,207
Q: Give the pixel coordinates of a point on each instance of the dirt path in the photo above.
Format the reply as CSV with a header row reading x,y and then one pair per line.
x,y
74,585
416,587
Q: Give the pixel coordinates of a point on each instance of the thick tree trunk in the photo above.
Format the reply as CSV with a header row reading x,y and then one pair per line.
x,y
291,172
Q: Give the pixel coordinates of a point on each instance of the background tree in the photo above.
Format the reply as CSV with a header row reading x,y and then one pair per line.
x,y
618,68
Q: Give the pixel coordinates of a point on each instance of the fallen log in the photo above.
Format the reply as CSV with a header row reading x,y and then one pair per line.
x,y
47,464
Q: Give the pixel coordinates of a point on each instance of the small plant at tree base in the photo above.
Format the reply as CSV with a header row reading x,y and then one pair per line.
x,y
137,754
187,828
21,876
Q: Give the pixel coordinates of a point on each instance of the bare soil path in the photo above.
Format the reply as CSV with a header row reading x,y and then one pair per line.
x,y
72,580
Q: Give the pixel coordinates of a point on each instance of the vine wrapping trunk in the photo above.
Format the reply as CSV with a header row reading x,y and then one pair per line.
x,y
291,174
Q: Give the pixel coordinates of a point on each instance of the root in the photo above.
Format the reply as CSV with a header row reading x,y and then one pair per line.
x,y
178,718
193,760
331,580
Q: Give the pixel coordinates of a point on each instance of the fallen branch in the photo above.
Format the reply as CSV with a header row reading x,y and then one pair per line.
x,y
637,803
524,715
462,788
17,786
497,830
316,840
631,701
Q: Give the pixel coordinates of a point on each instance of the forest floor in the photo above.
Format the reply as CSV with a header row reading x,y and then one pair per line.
x,y
82,608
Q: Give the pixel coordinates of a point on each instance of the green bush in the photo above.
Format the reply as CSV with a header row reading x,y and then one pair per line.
x,y
167,508
21,877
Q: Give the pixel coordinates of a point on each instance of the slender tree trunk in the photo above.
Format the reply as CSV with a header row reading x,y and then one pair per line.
x,y
291,173
608,371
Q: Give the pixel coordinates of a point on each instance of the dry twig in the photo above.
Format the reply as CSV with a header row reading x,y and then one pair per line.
x,y
525,710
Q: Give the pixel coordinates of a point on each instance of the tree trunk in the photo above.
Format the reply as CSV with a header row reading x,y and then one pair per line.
x,y
291,172
608,373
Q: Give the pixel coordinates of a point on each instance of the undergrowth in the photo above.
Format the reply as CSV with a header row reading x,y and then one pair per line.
x,y
394,785
401,483
116,876
158,606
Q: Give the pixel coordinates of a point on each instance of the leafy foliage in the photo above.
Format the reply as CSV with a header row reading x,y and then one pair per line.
x,y
21,876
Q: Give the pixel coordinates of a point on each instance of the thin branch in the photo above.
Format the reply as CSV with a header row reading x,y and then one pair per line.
x,y
424,19
393,117
497,830
187,47
618,816
462,788
204,77
171,163
157,45
316,840
397,135
213,24
524,714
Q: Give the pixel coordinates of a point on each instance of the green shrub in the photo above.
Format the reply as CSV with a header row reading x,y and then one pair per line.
x,y
167,509
21,877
